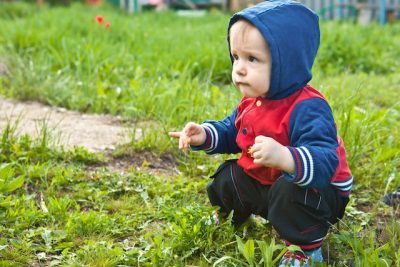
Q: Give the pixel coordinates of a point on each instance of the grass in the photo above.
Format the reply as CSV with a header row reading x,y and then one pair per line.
x,y
70,208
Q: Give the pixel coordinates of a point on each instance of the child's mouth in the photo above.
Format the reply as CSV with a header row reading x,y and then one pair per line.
x,y
241,84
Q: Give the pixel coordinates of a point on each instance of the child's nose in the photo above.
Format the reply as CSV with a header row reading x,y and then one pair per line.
x,y
240,68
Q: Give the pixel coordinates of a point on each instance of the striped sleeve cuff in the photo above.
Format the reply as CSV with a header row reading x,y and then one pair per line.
x,y
304,166
213,136
345,185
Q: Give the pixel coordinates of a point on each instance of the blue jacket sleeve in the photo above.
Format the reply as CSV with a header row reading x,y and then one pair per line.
x,y
221,136
313,138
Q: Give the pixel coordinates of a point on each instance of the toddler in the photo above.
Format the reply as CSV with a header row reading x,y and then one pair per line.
x,y
292,168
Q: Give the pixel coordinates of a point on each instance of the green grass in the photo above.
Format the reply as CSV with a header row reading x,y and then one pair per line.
x,y
67,208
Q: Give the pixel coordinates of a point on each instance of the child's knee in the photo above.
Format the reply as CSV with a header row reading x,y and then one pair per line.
x,y
219,190
227,190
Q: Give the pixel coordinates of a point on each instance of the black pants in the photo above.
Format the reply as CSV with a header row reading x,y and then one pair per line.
x,y
301,216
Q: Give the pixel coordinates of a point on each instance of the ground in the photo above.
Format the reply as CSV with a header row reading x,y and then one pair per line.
x,y
92,131
97,133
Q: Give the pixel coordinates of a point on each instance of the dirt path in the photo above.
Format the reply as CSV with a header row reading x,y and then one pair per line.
x,y
97,133
69,128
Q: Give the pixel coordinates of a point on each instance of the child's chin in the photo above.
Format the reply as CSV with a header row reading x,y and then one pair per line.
x,y
247,94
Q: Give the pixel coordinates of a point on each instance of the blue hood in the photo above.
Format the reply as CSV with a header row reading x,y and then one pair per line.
x,y
292,33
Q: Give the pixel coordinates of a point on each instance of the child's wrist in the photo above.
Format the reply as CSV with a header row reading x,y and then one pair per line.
x,y
286,161
205,141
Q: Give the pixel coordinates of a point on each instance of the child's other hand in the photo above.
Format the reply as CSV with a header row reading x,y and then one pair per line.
x,y
269,153
192,134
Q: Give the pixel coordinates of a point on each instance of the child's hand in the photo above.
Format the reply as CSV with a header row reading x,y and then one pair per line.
x,y
269,153
193,134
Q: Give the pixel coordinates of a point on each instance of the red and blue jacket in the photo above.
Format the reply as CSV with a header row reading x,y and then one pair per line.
x,y
293,112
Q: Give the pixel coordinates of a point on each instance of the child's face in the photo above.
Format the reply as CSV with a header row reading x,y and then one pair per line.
x,y
251,72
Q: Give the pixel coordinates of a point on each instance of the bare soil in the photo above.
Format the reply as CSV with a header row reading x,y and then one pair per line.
x,y
68,128
97,133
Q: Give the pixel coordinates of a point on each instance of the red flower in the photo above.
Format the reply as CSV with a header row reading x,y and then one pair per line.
x,y
107,25
99,19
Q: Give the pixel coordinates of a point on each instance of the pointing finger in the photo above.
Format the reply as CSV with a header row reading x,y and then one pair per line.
x,y
175,134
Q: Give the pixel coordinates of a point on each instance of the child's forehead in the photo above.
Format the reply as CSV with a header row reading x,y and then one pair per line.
x,y
240,27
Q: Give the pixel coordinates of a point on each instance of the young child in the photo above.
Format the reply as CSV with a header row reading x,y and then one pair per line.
x,y
292,168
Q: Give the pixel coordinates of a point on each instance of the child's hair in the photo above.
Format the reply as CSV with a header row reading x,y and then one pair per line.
x,y
243,30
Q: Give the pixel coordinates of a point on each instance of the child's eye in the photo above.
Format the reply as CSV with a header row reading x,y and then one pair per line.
x,y
252,59
235,57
